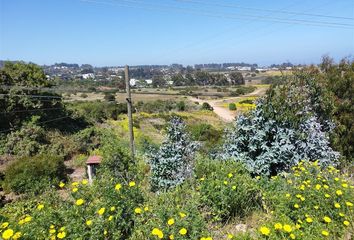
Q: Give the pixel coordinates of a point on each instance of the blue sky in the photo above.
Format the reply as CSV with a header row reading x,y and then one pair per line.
x,y
116,32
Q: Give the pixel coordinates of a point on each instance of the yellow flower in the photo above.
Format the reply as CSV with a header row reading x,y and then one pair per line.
x,y
52,231
182,215
131,184
327,195
230,236
265,231
137,210
28,219
327,219
287,195
101,211
113,209
287,228
316,207
225,182
89,222
326,186
172,237
157,232
233,187
84,181
336,205
22,221
61,184
341,214
170,221
61,235
17,235
146,208
75,184
344,185
318,186
336,179
349,204
75,189
339,192
202,179
346,223
40,206
8,233
309,220
278,226
105,232
110,218
296,205
230,175
4,225
297,226
118,186
183,231
325,233
289,181
79,202
292,236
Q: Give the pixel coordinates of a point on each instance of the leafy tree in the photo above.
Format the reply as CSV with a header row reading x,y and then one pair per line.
x,y
178,80
206,106
173,162
21,95
232,107
158,81
236,78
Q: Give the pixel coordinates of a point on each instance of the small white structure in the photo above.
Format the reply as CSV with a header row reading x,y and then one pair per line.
x,y
88,75
132,82
92,164
148,81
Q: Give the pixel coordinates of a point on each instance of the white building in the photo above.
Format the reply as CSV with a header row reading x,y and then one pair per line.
x,y
148,81
132,82
88,75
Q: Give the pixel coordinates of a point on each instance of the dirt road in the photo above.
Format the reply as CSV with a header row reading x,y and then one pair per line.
x,y
225,114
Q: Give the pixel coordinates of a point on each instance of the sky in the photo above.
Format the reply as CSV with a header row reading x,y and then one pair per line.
x,y
139,32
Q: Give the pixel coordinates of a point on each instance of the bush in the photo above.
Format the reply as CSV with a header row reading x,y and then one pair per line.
x,y
232,107
103,211
27,141
109,97
34,174
206,106
169,212
268,147
173,162
227,189
181,106
305,199
83,95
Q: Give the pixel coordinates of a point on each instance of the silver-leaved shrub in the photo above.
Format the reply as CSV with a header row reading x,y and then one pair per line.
x,y
173,162
268,147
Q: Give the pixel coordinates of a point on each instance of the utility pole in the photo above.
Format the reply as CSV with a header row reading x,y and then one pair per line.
x,y
130,115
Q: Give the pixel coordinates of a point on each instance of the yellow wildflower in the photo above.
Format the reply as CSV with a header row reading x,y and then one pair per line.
x,y
75,189
230,236
61,184
170,221
265,231
341,214
75,184
84,181
17,235
131,184
146,208
316,207
296,205
292,236
40,206
230,175
278,226
61,235
325,233
79,202
287,228
318,186
336,205
118,186
327,195
4,225
202,179
110,218
89,222
309,220
8,233
182,215
325,186
28,219
171,237
101,211
183,231
113,209
233,187
339,192
137,210
52,231
327,219
157,232
349,204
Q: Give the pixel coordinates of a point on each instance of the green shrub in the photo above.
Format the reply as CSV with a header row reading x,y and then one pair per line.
x,y
310,200
247,101
109,97
227,189
168,213
34,174
102,211
232,107
83,95
206,106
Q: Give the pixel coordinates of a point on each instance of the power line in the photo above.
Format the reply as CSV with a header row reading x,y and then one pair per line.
x,y
264,10
52,120
32,110
163,8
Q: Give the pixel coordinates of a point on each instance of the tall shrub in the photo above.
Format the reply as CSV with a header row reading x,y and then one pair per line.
x,y
172,163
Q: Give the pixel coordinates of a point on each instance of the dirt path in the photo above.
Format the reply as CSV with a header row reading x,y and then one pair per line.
x,y
225,114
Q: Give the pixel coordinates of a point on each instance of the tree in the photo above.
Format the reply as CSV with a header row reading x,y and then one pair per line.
x,y
173,162
178,79
236,78
206,106
21,95
158,81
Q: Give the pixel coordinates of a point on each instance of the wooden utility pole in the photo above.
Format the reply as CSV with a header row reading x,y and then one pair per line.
x,y
130,115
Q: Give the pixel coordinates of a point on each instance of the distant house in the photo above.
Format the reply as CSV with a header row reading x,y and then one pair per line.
x,y
148,81
88,75
133,82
